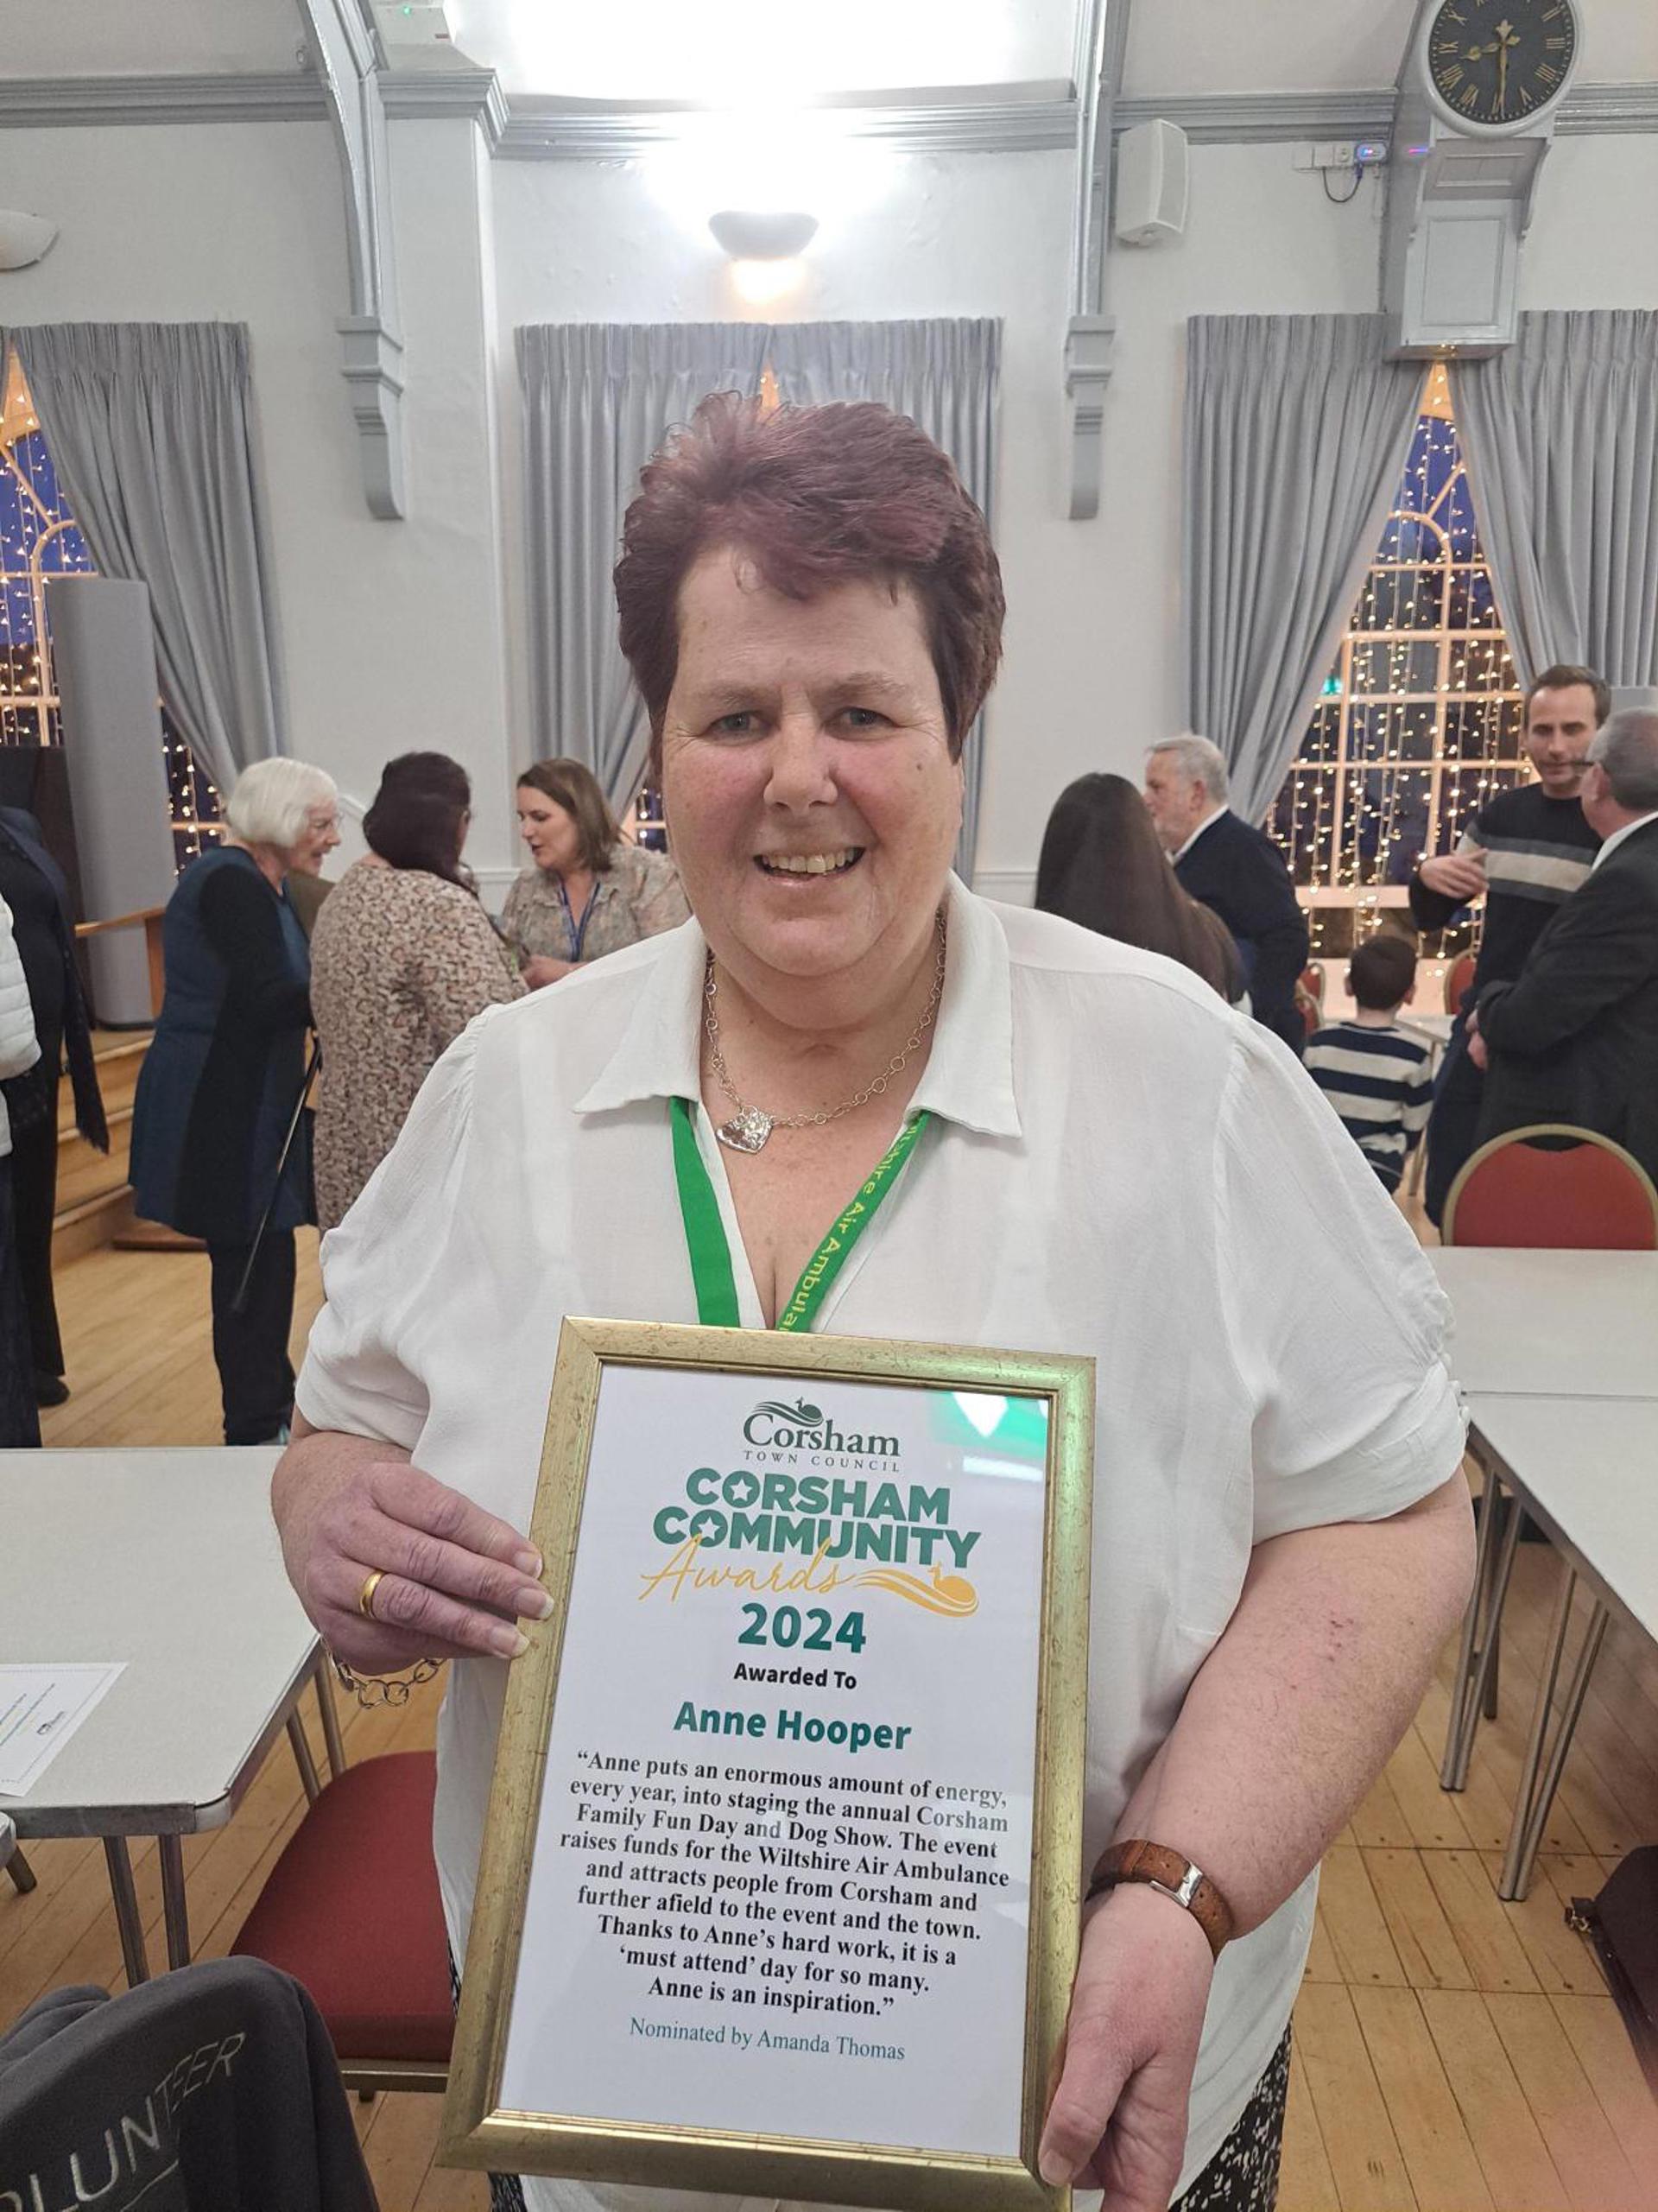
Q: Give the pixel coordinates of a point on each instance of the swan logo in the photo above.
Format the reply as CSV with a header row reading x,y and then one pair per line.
x,y
776,1425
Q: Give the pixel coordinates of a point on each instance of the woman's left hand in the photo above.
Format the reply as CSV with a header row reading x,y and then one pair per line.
x,y
1118,2120
541,968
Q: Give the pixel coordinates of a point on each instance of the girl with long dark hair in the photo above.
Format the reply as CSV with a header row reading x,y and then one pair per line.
x,y
1103,867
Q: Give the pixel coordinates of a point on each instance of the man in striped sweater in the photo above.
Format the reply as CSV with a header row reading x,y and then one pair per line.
x,y
1375,1074
1525,852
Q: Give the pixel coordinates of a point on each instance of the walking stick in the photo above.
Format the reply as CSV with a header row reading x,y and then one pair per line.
x,y
239,1303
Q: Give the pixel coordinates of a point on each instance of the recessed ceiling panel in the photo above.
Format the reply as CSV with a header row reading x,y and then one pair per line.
x,y
727,52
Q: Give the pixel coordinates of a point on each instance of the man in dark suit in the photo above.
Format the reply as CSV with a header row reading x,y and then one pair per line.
x,y
1235,870
1575,1038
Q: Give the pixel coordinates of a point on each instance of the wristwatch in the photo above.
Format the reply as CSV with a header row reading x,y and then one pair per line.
x,y
1175,1877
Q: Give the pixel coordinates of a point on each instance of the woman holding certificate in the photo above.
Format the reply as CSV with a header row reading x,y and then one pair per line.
x,y
1064,1144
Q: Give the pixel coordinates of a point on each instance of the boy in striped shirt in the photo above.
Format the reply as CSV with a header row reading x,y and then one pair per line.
x,y
1375,1074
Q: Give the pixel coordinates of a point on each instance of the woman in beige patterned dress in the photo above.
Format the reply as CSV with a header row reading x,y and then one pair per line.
x,y
402,958
587,891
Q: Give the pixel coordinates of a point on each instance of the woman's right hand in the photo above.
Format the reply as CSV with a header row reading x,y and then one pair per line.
x,y
455,1580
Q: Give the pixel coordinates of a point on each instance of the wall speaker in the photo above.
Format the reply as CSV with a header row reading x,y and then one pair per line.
x,y
1151,182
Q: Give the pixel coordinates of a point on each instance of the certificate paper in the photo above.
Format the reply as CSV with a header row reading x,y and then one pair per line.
x,y
781,1862
40,1707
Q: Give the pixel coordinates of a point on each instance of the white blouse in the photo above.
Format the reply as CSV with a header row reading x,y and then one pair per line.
x,y
1117,1165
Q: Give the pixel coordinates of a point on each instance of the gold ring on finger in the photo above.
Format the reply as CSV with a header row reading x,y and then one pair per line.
x,y
366,1595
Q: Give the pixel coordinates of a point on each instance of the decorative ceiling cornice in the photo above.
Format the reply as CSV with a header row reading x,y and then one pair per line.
x,y
435,95
1037,117
35,103
1267,118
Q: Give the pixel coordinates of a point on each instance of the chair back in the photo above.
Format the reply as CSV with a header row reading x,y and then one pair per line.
x,y
1308,1008
351,1910
1457,976
1311,982
1552,1186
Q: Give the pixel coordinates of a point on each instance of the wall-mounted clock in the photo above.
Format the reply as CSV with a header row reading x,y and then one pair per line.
x,y
1479,90
1498,65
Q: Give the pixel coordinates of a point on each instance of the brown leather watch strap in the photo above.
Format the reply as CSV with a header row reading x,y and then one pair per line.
x,y
1176,1877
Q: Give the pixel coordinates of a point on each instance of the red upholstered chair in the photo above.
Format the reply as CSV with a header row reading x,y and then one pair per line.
x,y
351,1910
1312,982
1578,1192
1457,976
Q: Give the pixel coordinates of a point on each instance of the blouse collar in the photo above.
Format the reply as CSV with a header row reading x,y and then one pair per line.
x,y
968,1078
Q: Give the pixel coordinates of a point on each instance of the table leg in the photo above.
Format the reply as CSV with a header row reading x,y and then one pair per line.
x,y
1493,1570
126,1909
1541,1775
173,1907
23,1874
331,1736
302,1758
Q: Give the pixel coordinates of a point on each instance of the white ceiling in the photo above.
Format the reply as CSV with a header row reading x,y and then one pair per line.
x,y
147,38
712,50
726,50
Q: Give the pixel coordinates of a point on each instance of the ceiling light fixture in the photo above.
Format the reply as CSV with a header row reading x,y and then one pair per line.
x,y
761,234
25,239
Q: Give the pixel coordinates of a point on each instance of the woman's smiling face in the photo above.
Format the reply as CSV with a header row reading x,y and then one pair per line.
x,y
812,805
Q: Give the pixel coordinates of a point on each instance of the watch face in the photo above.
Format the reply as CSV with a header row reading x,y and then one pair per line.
x,y
1499,60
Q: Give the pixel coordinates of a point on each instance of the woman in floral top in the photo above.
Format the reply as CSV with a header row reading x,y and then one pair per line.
x,y
401,957
587,890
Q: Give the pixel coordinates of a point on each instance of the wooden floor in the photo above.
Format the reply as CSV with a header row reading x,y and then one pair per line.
x,y
1452,2054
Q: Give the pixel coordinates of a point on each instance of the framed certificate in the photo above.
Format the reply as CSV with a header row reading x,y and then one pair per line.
x,y
780,1882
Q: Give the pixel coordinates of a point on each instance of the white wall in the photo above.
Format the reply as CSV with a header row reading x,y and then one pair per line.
x,y
394,632
391,632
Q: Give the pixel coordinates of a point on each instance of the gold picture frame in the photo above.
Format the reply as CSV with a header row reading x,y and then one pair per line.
x,y
478,2130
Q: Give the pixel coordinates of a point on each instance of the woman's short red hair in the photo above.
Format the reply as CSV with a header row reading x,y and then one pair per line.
x,y
814,496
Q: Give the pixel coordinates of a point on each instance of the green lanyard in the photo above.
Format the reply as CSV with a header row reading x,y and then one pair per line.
x,y
705,1232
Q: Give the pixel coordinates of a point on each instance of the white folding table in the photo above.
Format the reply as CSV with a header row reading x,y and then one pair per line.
x,y
168,1561
1553,1324
1586,1470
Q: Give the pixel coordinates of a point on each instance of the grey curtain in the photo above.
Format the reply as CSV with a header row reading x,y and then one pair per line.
x,y
1561,434
1296,435
943,374
598,400
148,425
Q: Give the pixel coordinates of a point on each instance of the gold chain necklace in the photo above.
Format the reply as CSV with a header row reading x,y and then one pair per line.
x,y
750,1126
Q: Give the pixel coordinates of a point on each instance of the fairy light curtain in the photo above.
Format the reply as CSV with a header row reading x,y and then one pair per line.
x,y
1420,719
1296,429
39,538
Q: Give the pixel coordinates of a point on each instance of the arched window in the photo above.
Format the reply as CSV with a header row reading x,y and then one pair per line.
x,y
1420,719
39,539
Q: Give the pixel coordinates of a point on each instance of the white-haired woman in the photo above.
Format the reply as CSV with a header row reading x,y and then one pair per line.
x,y
222,1074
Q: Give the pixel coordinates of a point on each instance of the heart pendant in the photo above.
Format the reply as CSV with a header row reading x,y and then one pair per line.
x,y
746,1131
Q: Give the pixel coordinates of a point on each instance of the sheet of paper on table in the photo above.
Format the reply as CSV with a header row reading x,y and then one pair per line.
x,y
40,1707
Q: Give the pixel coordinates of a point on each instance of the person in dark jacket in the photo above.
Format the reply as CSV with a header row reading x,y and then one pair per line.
x,y
215,2086
1103,867
1526,851
35,888
1575,1037
222,1076
1235,869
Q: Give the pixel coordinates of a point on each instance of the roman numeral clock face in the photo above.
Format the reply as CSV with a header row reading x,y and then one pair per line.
x,y
1498,61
